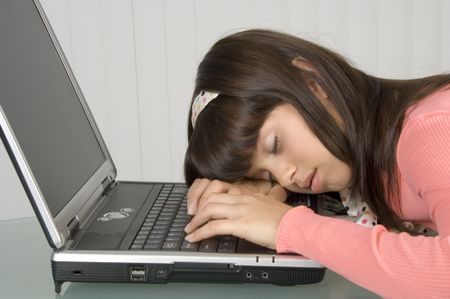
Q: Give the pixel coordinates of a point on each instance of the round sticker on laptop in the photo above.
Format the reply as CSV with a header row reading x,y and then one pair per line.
x,y
123,213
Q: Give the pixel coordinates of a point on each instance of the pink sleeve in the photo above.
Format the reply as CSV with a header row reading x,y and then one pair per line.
x,y
390,264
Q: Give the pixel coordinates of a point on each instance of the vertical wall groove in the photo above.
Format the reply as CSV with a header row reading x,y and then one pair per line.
x,y
138,108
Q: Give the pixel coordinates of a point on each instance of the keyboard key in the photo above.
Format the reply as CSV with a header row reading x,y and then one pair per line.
x,y
177,240
170,245
163,222
178,225
152,246
159,231
137,246
227,244
187,246
160,227
141,235
177,230
179,190
139,241
159,236
154,241
208,245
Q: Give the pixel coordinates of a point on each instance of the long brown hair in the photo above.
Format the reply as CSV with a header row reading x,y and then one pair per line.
x,y
253,73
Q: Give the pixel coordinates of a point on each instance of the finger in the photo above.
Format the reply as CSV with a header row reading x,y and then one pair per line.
x,y
225,198
215,186
212,211
235,191
212,228
196,189
194,194
278,192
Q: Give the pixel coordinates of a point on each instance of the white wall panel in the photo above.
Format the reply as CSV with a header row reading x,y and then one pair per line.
x,y
150,48
303,18
363,34
426,37
88,59
121,87
181,66
239,14
445,38
394,38
271,14
332,31
211,19
135,61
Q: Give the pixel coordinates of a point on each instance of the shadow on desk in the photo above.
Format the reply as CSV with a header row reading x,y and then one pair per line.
x,y
26,260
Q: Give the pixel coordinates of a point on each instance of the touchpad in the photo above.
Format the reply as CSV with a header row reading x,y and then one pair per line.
x,y
93,241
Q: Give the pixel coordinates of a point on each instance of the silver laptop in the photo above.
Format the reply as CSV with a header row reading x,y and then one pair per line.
x,y
103,230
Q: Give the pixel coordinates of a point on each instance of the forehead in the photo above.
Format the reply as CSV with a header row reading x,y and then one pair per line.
x,y
279,118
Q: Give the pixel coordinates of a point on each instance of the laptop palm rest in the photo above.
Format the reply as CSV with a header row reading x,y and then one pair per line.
x,y
110,226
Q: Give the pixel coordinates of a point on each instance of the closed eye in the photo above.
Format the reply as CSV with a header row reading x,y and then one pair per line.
x,y
276,145
275,150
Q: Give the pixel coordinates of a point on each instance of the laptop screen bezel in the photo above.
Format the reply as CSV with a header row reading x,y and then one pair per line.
x,y
79,206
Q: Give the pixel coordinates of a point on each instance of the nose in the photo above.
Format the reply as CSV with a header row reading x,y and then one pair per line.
x,y
285,173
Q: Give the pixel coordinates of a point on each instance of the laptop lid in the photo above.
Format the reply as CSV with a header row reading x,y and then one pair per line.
x,y
45,123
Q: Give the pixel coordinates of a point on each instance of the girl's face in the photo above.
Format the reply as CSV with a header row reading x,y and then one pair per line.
x,y
288,152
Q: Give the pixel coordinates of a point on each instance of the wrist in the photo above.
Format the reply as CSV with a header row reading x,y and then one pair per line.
x,y
288,229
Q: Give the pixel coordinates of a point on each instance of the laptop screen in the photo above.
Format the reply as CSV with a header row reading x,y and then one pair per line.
x,y
42,106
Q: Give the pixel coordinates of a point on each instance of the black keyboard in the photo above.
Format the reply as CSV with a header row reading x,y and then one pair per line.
x,y
163,228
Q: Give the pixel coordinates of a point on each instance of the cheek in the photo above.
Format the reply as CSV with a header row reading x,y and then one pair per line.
x,y
346,176
309,154
297,154
339,176
305,147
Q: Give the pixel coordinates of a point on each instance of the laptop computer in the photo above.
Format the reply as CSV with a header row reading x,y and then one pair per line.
x,y
101,229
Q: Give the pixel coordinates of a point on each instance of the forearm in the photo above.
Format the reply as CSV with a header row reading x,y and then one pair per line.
x,y
389,264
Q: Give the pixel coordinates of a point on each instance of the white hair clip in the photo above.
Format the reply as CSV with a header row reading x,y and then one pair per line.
x,y
200,102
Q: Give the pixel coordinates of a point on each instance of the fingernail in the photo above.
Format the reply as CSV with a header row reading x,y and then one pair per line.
x,y
188,238
190,209
186,228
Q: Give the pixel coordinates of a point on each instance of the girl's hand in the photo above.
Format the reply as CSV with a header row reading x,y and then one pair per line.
x,y
203,188
254,218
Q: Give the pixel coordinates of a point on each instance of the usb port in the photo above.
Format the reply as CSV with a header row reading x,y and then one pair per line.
x,y
137,273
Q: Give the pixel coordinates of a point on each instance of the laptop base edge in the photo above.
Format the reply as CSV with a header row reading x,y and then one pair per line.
x,y
181,272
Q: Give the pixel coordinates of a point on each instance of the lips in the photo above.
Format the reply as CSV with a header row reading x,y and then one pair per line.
x,y
307,182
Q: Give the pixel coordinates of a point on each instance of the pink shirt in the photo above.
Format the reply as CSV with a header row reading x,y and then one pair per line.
x,y
393,265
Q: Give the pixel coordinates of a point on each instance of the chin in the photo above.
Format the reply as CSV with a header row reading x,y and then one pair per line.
x,y
299,190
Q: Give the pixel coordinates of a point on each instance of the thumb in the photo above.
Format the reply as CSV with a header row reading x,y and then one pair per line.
x,y
278,192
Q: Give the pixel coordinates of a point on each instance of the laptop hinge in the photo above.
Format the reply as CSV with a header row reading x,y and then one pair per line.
x,y
72,226
108,184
